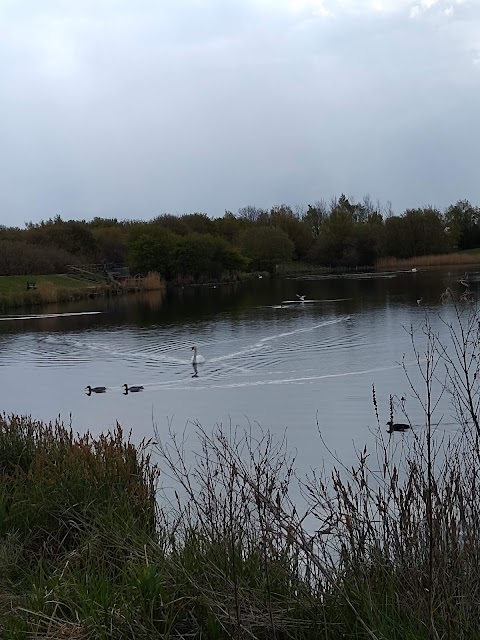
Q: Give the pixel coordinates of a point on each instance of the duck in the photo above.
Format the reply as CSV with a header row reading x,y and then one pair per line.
x,y
134,388
397,426
196,359
91,390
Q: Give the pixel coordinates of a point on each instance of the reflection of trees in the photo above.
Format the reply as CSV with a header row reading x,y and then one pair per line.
x,y
152,299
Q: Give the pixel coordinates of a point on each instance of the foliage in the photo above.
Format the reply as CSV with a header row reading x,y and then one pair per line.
x,y
19,258
418,232
342,233
463,225
152,249
266,247
192,255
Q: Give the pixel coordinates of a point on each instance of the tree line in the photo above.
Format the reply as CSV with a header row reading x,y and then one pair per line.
x,y
341,233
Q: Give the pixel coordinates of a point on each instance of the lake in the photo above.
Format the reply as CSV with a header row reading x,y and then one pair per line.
x,y
270,359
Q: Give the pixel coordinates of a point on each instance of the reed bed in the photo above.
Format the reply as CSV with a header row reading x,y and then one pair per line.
x,y
444,259
98,541
151,282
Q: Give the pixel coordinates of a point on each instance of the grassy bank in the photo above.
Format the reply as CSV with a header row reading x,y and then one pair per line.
x,y
96,541
14,291
463,258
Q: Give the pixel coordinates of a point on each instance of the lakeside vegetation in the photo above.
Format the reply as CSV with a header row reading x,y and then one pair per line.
x,y
471,257
30,291
198,248
104,538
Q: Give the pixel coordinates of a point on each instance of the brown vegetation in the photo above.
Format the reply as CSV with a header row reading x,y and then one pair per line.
x,y
445,259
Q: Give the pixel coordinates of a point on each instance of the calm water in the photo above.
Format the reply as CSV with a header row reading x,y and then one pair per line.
x,y
283,366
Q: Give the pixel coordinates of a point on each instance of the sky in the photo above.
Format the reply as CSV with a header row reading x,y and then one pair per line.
x,y
135,108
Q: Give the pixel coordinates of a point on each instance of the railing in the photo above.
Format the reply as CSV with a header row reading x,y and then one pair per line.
x,y
108,271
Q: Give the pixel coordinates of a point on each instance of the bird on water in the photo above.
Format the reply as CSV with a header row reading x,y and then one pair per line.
x,y
196,358
91,390
134,388
397,426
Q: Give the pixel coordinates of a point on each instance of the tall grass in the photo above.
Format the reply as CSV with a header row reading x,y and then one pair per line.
x,y
444,259
90,547
151,282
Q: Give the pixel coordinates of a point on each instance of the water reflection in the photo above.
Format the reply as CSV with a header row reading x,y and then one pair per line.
x,y
285,366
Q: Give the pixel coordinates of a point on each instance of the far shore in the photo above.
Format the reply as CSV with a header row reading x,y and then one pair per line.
x,y
463,259
32,290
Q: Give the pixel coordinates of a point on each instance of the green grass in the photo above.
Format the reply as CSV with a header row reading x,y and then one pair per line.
x,y
63,288
18,284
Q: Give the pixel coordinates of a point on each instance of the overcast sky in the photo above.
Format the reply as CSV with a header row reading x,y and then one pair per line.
x,y
133,108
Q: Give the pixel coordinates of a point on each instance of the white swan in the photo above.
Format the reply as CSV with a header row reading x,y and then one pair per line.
x,y
196,359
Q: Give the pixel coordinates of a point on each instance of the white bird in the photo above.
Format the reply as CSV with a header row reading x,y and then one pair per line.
x,y
301,298
196,359
419,301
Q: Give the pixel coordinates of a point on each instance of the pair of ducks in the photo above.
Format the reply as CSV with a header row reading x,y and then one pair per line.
x,y
128,389
135,388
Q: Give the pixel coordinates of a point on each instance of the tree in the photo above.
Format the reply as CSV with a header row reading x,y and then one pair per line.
x,y
152,249
418,232
314,217
252,214
199,223
266,247
285,219
111,244
463,225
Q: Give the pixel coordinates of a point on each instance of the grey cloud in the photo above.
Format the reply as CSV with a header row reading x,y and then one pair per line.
x,y
205,106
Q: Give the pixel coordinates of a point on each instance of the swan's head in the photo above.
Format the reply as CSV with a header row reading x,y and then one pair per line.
x,y
194,348
126,386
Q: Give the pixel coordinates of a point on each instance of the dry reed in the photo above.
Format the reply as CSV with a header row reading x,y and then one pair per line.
x,y
446,259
